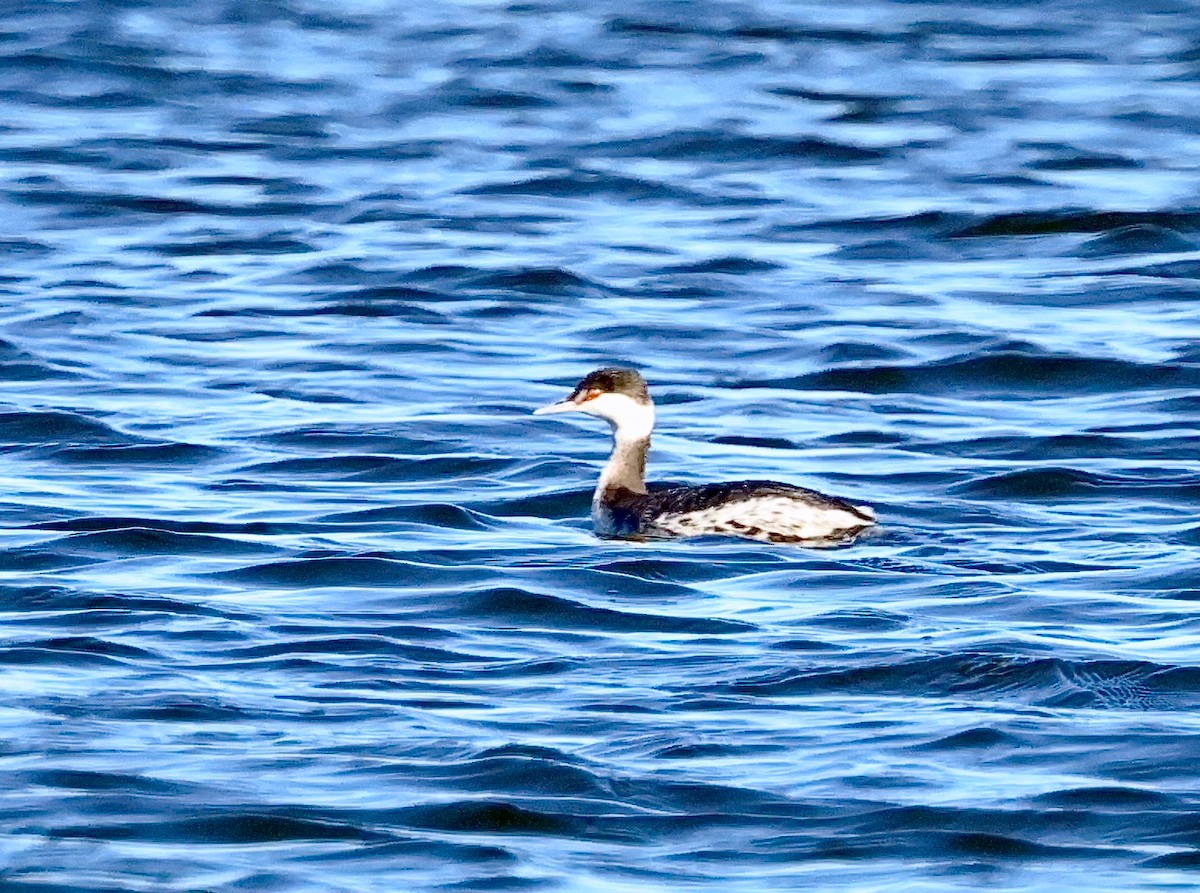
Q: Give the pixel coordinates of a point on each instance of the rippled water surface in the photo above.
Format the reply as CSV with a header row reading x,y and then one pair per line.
x,y
297,596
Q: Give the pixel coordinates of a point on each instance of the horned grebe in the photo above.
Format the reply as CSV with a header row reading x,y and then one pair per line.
x,y
761,510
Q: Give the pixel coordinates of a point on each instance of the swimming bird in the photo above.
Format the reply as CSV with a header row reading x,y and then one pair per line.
x,y
624,506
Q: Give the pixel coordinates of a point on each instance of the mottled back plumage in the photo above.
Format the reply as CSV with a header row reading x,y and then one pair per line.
x,y
763,510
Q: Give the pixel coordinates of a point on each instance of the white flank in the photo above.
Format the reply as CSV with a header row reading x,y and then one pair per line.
x,y
763,518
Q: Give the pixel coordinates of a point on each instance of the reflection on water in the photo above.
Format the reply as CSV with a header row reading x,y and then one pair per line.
x,y
298,596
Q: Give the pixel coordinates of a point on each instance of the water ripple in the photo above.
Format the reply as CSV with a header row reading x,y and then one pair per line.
x,y
298,596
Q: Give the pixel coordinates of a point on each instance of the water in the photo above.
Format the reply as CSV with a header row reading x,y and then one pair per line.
x,y
297,596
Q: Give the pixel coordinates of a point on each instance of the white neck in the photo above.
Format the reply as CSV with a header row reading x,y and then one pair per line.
x,y
631,421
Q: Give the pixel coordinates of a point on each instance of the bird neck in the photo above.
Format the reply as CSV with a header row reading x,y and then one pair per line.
x,y
626,468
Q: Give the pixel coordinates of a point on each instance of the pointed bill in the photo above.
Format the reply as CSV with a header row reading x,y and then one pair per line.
x,y
563,406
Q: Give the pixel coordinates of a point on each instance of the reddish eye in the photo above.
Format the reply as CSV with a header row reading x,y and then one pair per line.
x,y
584,396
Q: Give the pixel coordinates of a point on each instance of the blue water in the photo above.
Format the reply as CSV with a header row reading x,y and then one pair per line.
x,y
298,597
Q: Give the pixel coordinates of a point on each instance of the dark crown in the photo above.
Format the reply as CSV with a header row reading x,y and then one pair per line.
x,y
616,381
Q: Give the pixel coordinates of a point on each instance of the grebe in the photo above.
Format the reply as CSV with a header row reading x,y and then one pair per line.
x,y
760,510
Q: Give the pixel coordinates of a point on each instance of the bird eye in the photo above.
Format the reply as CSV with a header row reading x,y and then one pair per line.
x,y
592,394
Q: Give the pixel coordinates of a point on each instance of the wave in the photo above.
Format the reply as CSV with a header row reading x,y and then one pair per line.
x,y
1137,238
725,146
349,571
522,609
1043,681
446,515
380,468
131,541
185,454
996,372
58,428
248,528
590,184
1073,483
